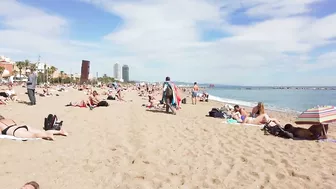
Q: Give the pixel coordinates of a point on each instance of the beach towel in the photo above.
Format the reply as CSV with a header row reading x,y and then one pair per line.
x,y
327,140
16,138
172,87
234,122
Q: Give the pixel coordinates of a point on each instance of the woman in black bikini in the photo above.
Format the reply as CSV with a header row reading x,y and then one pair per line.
x,y
9,127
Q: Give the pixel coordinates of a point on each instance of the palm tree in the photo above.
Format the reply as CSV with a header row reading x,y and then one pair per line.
x,y
62,75
2,69
20,65
51,71
32,66
26,64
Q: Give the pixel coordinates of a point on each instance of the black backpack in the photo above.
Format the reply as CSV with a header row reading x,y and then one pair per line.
x,y
103,103
51,123
277,130
215,112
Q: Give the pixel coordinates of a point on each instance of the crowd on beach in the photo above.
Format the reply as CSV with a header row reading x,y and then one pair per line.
x,y
164,96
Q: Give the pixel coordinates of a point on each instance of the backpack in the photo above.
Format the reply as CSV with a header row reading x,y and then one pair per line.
x,y
216,113
277,130
51,123
110,98
103,103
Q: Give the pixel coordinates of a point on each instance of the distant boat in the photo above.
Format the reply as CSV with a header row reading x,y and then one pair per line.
x,y
211,85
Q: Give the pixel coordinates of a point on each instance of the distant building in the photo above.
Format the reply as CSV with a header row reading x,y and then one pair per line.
x,y
7,64
85,71
116,71
125,73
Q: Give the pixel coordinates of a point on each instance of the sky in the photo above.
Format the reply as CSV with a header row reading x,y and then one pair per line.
x,y
234,42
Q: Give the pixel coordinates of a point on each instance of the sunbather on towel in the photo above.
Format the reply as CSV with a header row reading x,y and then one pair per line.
x,y
261,119
10,128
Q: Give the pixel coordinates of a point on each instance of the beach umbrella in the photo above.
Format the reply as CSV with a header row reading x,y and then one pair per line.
x,y
317,115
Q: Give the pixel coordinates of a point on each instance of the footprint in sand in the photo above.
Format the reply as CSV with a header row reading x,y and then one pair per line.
x,y
270,161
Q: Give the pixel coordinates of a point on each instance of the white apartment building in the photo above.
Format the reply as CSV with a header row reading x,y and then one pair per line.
x,y
117,71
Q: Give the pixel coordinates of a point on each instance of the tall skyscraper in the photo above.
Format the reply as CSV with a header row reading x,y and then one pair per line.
x,y
85,71
116,71
125,73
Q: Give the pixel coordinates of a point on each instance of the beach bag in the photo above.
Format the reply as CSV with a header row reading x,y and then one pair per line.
x,y
103,103
216,113
52,123
110,98
278,131
184,101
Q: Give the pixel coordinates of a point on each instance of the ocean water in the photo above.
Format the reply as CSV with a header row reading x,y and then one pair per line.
x,y
276,99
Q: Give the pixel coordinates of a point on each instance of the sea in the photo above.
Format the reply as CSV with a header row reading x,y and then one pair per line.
x,y
288,100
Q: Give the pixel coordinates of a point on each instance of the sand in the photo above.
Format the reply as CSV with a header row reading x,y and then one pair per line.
x,y
125,146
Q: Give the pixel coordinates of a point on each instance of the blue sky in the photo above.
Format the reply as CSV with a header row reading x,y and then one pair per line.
x,y
246,42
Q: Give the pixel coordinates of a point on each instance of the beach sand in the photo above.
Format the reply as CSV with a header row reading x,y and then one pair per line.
x,y
125,146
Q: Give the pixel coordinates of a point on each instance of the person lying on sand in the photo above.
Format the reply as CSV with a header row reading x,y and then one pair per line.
x,y
261,119
10,128
31,185
314,132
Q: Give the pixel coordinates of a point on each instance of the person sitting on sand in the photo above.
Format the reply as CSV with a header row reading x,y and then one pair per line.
x,y
239,114
93,99
46,91
261,119
258,110
10,128
118,95
31,185
204,97
152,102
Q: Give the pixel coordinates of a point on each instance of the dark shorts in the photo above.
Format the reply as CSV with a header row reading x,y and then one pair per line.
x,y
194,94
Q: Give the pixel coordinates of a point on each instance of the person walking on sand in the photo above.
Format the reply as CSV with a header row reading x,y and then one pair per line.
x,y
31,85
169,96
194,93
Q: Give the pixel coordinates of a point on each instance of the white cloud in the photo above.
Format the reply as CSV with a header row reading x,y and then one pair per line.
x,y
165,37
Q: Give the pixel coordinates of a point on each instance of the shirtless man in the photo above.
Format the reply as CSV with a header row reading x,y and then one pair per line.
x,y
239,114
194,93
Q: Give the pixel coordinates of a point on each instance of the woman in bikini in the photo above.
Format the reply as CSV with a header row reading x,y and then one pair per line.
x,y
10,128
258,110
261,119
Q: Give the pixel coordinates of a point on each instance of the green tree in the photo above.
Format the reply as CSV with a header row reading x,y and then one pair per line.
x,y
62,75
20,65
26,64
51,72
